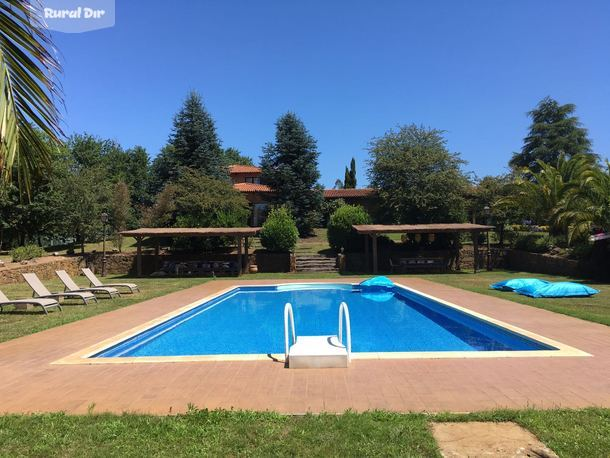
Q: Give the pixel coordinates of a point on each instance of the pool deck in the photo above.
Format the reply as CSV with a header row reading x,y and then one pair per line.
x,y
31,383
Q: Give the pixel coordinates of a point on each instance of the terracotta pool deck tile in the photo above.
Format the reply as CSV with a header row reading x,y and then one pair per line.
x,y
399,384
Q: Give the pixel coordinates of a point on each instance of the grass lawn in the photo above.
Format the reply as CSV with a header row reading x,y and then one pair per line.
x,y
595,308
570,433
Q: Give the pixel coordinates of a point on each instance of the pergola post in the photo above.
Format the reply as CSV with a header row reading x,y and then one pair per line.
x,y
475,247
157,250
247,261
375,266
239,256
367,257
139,256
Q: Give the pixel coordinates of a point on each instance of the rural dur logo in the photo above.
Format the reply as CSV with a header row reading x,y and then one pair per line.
x,y
76,16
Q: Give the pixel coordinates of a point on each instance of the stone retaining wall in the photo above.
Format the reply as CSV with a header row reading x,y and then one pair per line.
x,y
43,267
547,264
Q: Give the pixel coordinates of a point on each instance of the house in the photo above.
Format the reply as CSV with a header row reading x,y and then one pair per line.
x,y
247,180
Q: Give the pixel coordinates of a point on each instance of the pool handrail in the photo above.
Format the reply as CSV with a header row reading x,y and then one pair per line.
x,y
288,314
344,311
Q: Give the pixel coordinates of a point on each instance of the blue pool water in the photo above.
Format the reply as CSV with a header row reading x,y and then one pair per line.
x,y
250,320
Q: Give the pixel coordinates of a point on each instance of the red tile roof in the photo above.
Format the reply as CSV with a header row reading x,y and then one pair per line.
x,y
252,187
236,168
343,193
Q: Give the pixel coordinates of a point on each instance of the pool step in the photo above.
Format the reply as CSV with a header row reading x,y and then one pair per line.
x,y
317,352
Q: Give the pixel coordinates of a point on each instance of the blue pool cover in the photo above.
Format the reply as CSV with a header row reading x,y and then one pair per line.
x,y
249,320
518,283
558,289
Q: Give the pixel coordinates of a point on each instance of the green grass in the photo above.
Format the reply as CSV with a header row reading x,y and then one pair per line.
x,y
217,433
571,433
17,323
595,308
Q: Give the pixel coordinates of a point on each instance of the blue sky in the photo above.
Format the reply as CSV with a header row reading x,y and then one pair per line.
x,y
350,69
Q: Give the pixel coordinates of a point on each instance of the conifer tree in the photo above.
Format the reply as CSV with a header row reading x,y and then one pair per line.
x,y
554,131
290,168
350,175
194,141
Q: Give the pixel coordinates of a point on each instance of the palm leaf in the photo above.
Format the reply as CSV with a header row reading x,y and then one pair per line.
x,y
29,93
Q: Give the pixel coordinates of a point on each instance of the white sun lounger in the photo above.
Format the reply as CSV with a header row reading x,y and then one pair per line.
x,y
41,290
40,302
72,287
97,283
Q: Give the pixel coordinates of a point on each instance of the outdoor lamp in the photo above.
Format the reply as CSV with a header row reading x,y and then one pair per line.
x,y
104,218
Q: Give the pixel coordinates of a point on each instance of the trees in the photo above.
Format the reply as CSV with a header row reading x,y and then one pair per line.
x,y
587,203
349,182
28,92
194,140
554,131
549,195
233,156
290,168
120,207
193,144
419,181
193,199
197,200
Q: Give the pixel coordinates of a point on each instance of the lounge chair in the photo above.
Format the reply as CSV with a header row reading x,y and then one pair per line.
x,y
41,290
43,303
72,287
97,283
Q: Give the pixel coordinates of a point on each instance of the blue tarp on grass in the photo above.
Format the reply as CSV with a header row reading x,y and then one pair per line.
x,y
517,283
558,289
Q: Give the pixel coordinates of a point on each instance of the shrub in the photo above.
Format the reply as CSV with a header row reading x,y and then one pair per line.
x,y
581,250
330,206
279,233
534,243
27,252
340,231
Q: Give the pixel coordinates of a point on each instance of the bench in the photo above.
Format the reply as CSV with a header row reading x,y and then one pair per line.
x,y
420,263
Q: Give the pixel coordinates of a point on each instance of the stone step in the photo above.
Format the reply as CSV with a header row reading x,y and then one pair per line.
x,y
297,257
316,261
317,264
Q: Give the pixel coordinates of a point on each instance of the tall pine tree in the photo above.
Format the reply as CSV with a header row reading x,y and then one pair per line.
x,y
554,131
194,141
290,168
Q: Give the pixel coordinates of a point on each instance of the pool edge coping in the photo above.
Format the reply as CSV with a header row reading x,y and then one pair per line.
x,y
84,356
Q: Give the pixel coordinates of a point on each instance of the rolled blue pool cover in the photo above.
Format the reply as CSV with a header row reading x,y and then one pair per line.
x,y
559,289
379,281
378,289
517,283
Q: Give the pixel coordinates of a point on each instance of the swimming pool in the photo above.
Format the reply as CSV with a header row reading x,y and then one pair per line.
x,y
248,320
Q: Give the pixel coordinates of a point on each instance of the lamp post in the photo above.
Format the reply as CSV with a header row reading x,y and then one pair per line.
x,y
104,218
487,212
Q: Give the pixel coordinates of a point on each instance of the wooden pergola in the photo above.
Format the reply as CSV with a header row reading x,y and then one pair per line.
x,y
241,235
371,231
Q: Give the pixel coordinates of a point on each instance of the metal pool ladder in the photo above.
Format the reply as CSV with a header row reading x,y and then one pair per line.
x,y
317,351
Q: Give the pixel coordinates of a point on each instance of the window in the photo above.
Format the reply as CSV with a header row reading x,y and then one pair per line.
x,y
255,180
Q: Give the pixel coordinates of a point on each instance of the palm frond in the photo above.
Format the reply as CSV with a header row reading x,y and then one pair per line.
x,y
29,92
